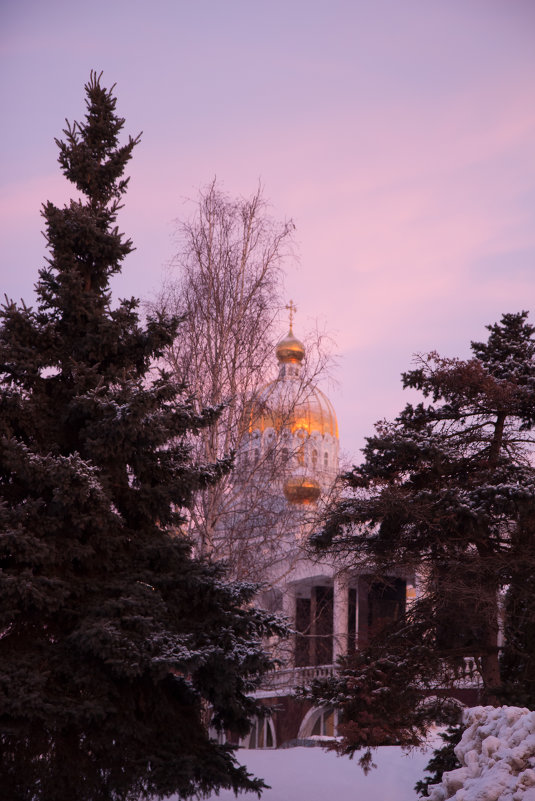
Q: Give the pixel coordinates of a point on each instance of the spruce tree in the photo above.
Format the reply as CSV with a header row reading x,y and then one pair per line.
x,y
446,491
444,759
518,654
117,647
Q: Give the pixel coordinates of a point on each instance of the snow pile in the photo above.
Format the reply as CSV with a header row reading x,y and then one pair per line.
x,y
497,752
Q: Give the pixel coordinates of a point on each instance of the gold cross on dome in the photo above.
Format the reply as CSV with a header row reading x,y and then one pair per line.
x,y
292,308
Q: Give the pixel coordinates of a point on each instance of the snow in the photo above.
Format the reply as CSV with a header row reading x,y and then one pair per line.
x,y
497,754
312,774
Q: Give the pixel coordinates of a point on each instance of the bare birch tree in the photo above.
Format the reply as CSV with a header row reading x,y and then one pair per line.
x,y
226,282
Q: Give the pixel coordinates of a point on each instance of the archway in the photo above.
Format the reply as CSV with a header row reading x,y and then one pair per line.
x,y
319,722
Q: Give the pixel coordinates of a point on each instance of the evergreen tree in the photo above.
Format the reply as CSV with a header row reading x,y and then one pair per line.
x,y
443,760
518,655
117,648
447,490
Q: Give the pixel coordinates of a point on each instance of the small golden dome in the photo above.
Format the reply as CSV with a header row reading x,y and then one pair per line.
x,y
290,349
301,490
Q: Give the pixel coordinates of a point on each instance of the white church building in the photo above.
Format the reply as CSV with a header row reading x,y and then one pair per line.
x,y
331,609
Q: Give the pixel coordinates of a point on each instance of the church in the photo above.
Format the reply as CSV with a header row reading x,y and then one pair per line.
x,y
287,466
331,610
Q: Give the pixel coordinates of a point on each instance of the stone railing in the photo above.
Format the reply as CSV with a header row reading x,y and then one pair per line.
x,y
282,681
467,674
285,680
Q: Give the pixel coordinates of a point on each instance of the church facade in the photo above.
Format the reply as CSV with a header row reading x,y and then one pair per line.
x,y
291,428
332,611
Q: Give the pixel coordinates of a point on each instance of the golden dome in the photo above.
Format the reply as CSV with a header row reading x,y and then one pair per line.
x,y
290,349
279,405
303,417
301,490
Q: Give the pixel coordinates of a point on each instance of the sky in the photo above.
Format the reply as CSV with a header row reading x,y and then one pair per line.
x,y
398,135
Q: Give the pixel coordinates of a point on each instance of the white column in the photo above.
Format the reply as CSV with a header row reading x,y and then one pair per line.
x,y
340,615
287,654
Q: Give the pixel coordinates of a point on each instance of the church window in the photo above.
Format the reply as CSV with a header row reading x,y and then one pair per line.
x,y
325,725
271,445
262,734
325,460
319,723
301,449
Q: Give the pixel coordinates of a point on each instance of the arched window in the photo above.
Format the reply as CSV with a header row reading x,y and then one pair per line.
x,y
301,448
325,724
270,446
325,460
314,459
319,723
262,735
217,735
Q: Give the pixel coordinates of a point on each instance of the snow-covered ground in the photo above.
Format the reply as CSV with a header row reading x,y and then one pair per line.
x,y
312,774
497,753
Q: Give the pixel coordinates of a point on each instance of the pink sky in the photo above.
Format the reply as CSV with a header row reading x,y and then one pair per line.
x,y
398,134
